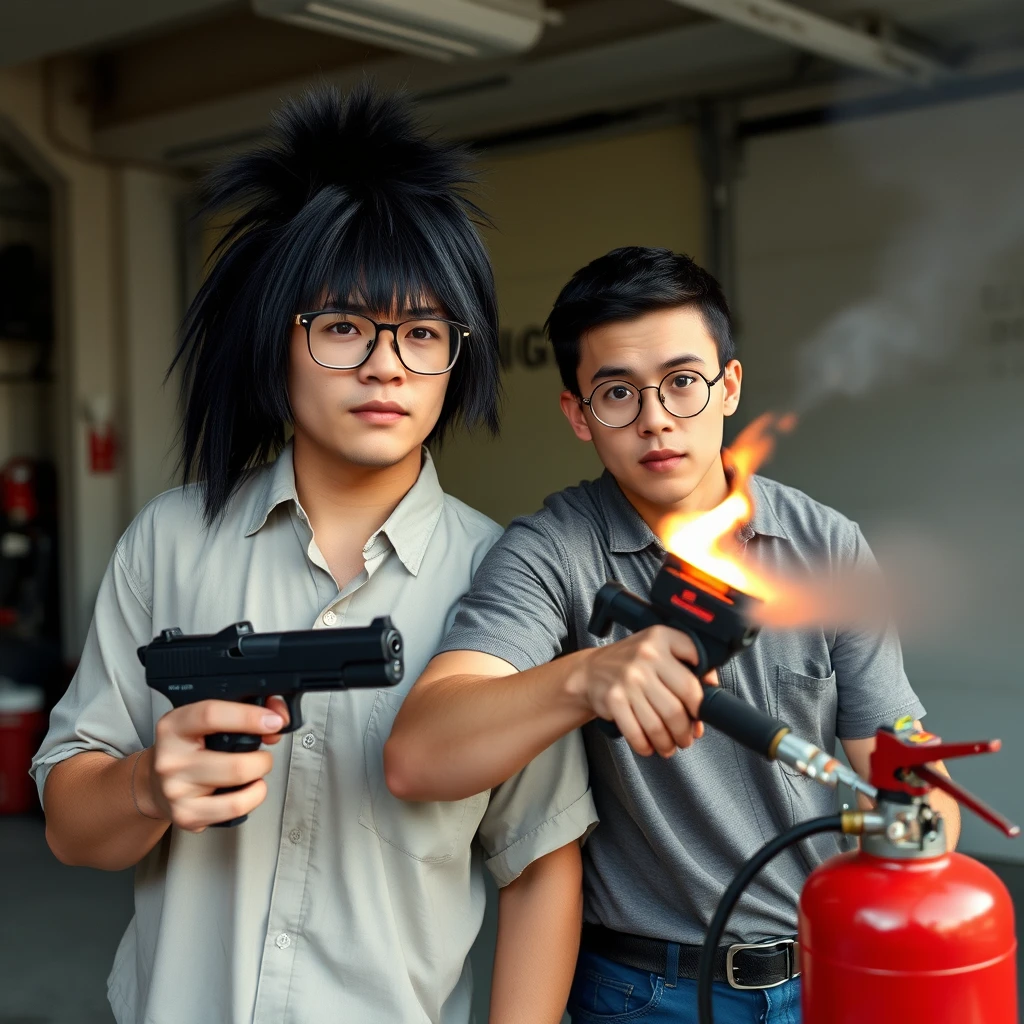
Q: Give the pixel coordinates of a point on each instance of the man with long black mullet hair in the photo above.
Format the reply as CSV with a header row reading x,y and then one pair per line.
x,y
351,301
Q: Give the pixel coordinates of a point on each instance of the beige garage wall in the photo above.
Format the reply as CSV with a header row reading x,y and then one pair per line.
x,y
555,210
35,105
118,302
152,297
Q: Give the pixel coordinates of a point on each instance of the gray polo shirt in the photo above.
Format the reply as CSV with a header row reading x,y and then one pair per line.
x,y
335,901
674,832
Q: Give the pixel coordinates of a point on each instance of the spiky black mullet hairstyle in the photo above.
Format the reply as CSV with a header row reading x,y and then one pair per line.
x,y
352,199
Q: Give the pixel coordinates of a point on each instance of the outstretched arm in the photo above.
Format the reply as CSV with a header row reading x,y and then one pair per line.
x,y
471,721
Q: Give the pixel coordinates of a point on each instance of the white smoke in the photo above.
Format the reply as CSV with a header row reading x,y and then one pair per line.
x,y
927,284
943,504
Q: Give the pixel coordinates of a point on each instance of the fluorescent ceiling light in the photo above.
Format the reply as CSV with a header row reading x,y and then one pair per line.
x,y
390,29
439,29
808,31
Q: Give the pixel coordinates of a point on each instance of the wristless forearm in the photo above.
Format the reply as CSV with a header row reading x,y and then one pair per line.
x,y
465,734
93,817
539,919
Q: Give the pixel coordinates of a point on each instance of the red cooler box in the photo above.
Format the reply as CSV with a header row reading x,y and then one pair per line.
x,y
22,724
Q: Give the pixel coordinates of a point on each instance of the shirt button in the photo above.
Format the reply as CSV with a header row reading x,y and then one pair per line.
x,y
295,835
330,618
283,941
308,740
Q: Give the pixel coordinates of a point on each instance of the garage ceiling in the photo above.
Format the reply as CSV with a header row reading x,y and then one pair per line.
x,y
180,81
41,28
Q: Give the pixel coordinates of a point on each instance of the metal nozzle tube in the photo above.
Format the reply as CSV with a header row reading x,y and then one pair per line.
x,y
816,764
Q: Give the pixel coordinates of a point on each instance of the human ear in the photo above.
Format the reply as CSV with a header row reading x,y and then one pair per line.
x,y
732,380
573,410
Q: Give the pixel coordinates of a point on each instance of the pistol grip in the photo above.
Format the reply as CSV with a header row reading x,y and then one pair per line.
x,y
232,743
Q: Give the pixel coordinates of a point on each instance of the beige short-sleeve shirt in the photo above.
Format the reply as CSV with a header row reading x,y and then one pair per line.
x,y
334,901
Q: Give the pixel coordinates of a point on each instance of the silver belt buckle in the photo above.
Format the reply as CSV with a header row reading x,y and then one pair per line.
x,y
792,947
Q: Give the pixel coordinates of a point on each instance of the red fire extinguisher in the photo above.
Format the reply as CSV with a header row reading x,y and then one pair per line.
x,y
901,929
101,435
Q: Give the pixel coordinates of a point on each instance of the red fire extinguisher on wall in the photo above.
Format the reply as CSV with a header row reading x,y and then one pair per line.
x,y
898,930
102,439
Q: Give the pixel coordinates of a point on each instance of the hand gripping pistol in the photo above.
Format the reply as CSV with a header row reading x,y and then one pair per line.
x,y
241,665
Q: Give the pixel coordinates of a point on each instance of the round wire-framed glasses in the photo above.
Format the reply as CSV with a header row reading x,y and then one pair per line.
x,y
683,393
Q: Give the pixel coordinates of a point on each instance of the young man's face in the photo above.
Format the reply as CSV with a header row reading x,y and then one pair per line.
x,y
374,415
659,460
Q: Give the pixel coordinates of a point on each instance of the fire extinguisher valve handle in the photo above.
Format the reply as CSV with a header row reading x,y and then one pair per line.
x,y
969,800
903,761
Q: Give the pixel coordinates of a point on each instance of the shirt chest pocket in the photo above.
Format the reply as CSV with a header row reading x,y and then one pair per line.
x,y
429,832
808,705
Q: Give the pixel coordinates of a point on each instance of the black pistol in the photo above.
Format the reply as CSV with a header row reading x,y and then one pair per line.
x,y
240,665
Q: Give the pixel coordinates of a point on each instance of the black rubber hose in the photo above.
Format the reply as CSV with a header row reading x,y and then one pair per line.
x,y
706,971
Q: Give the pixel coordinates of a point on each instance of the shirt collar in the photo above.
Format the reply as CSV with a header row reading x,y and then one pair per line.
x,y
408,529
629,533
765,522
278,487
411,525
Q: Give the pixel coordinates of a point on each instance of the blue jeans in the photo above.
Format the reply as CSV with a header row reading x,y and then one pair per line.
x,y
604,992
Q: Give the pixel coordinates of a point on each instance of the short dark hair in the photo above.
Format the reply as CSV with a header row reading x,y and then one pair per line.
x,y
627,283
352,198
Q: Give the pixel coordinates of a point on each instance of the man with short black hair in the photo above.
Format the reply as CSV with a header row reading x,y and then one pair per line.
x,y
644,344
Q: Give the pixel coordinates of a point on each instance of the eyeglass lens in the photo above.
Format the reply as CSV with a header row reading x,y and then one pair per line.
x,y
617,402
341,341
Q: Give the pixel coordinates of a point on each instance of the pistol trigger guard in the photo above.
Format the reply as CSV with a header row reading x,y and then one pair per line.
x,y
294,704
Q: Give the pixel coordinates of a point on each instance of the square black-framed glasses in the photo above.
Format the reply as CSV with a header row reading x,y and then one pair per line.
x,y
457,333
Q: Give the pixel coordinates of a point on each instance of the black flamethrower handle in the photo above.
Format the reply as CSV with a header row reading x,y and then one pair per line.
x,y
615,604
740,721
722,710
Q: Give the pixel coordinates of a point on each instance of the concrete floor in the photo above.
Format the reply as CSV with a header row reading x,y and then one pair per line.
x,y
61,928
62,925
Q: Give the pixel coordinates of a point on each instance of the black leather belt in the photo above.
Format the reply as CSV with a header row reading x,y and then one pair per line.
x,y
745,965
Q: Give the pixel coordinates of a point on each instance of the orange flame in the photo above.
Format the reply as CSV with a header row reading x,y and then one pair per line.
x,y
707,539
